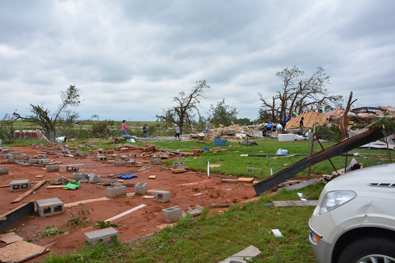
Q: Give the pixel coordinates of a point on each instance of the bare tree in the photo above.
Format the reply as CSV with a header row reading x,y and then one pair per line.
x,y
186,106
7,127
42,117
298,93
344,120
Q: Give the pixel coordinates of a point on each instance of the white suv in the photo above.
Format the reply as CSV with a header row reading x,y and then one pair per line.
x,y
354,220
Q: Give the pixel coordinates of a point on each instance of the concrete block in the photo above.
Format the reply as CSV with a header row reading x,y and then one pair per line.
x,y
171,214
49,207
131,162
101,158
140,188
80,176
114,156
4,170
94,178
5,150
163,196
20,185
176,164
21,157
52,168
120,163
250,169
124,157
4,156
110,151
133,155
156,161
42,156
116,191
72,168
44,162
107,235
33,161
198,210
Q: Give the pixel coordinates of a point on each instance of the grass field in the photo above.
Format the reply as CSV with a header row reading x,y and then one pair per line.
x,y
219,235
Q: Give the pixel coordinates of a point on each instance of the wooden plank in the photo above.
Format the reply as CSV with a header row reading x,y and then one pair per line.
x,y
55,186
295,203
20,198
9,238
152,177
246,179
125,213
64,177
86,201
176,171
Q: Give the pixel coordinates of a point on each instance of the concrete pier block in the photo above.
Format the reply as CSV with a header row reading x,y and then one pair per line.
x,y
176,164
120,163
3,170
52,168
80,176
116,191
156,161
101,158
140,188
163,196
20,185
49,207
107,235
171,214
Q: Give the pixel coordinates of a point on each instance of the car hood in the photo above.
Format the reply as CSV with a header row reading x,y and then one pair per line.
x,y
383,174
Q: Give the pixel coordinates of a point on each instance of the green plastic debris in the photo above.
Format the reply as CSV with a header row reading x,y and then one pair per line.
x,y
72,186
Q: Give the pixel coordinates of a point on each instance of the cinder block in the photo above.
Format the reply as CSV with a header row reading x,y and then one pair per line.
x,y
114,156
171,214
163,196
156,161
49,207
52,168
94,178
124,157
133,155
4,156
140,188
42,156
101,158
21,157
107,235
5,150
251,169
176,164
72,168
20,185
131,162
33,161
80,176
110,151
116,191
120,163
198,210
44,162
4,170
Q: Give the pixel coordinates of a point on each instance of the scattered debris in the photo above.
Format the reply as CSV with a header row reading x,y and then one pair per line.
x,y
243,256
21,251
277,233
9,238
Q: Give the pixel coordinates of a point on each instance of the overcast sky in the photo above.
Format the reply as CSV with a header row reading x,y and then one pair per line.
x,y
130,58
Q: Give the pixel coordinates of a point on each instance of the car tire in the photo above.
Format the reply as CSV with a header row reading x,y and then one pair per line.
x,y
360,250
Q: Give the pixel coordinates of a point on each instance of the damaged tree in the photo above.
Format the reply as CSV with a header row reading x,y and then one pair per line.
x,y
7,127
344,121
42,118
186,106
298,93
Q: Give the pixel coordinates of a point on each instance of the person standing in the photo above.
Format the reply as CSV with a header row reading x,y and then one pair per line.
x,y
177,132
124,127
269,128
283,123
301,125
208,128
320,108
145,129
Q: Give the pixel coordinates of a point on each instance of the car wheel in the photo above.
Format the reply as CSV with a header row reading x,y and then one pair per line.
x,y
369,250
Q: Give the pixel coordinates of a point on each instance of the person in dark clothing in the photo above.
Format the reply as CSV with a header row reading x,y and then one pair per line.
x,y
283,123
301,126
178,131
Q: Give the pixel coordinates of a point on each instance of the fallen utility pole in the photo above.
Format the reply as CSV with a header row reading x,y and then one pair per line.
x,y
368,136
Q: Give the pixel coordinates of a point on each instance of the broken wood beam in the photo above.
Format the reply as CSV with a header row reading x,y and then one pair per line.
x,y
20,198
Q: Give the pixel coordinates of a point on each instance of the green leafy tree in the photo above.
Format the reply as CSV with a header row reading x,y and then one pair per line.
x,y
186,108
7,127
222,113
42,117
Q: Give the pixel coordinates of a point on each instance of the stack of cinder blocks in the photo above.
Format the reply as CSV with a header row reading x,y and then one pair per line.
x,y
49,207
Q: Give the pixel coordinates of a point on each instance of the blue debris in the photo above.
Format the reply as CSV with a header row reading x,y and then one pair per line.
x,y
127,176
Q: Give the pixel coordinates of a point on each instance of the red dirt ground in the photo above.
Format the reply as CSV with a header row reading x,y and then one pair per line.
x,y
146,220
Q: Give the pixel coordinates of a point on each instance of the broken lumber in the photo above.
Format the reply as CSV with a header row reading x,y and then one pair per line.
x,y
152,177
55,186
246,180
86,201
20,198
68,179
177,171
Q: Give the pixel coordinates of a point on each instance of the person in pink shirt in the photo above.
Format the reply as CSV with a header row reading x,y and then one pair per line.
x,y
124,127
